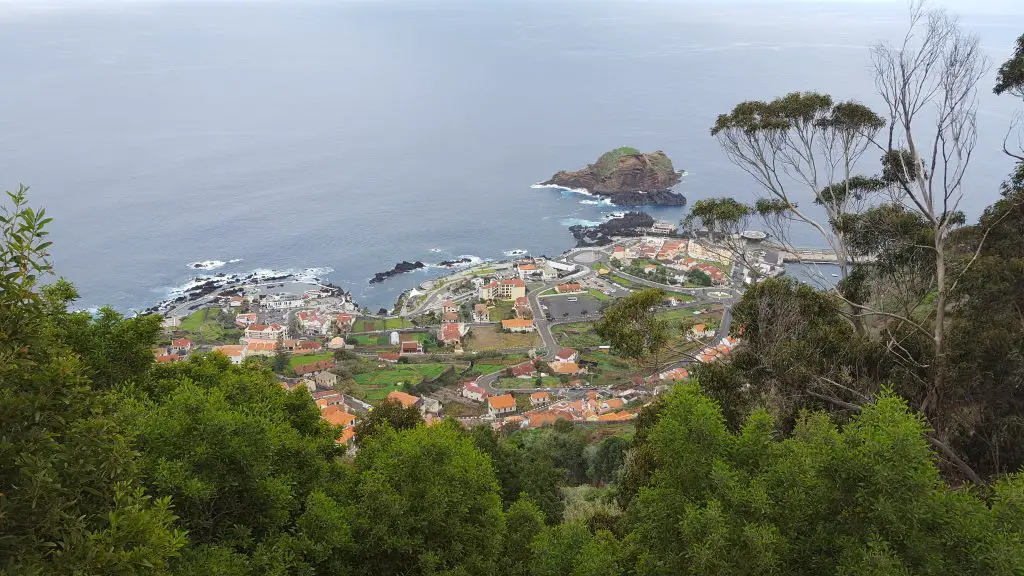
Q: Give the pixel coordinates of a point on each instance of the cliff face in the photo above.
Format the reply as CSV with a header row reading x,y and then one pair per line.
x,y
628,176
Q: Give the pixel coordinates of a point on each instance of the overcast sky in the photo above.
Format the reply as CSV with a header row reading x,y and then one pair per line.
x,y
986,7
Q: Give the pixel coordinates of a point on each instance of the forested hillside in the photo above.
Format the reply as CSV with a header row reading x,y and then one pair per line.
x,y
873,428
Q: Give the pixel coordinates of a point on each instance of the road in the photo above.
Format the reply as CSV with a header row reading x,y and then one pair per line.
x,y
583,258
543,326
433,297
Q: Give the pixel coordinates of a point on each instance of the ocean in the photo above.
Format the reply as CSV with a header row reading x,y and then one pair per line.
x,y
349,135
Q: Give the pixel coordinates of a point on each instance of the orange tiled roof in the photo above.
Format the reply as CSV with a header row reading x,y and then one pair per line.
x,y
229,350
407,400
540,396
516,323
565,367
337,416
614,404
452,331
565,353
346,435
503,401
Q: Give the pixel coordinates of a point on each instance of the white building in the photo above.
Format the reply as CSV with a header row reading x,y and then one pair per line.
x,y
473,392
283,302
499,405
265,332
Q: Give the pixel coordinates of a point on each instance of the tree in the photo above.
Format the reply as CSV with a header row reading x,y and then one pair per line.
x,y
699,277
523,521
799,351
522,472
866,498
986,341
929,85
716,224
425,502
1010,77
608,459
802,144
573,549
239,455
70,498
115,349
387,414
632,328
282,358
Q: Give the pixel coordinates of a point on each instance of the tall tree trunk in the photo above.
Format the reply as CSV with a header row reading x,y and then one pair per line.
x,y
931,400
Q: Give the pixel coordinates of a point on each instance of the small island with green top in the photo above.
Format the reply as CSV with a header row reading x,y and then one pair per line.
x,y
628,177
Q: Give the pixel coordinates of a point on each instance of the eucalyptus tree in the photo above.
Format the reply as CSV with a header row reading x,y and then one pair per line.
x,y
802,145
928,83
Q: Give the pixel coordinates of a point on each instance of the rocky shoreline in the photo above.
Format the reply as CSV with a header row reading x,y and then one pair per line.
x,y
656,198
632,224
454,263
400,268
232,284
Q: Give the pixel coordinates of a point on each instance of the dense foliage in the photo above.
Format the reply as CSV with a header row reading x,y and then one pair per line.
x,y
870,429
114,465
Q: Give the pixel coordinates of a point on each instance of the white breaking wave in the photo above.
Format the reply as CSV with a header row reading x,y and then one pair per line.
x,y
473,261
577,221
516,252
211,264
306,276
313,275
436,250
601,202
583,191
206,265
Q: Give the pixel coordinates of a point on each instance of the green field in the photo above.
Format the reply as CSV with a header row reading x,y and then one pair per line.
x,y
364,324
492,365
400,373
624,282
598,295
610,368
376,384
577,335
368,339
396,323
300,359
193,321
203,327
502,310
676,314
484,271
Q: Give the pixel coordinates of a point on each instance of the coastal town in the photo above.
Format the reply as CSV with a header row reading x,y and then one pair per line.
x,y
510,343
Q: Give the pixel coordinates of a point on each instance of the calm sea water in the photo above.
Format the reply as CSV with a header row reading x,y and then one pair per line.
x,y
351,135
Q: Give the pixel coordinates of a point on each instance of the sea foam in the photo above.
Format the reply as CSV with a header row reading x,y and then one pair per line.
x,y
583,191
577,222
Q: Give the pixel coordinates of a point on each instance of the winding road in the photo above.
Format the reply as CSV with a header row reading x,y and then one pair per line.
x,y
583,258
